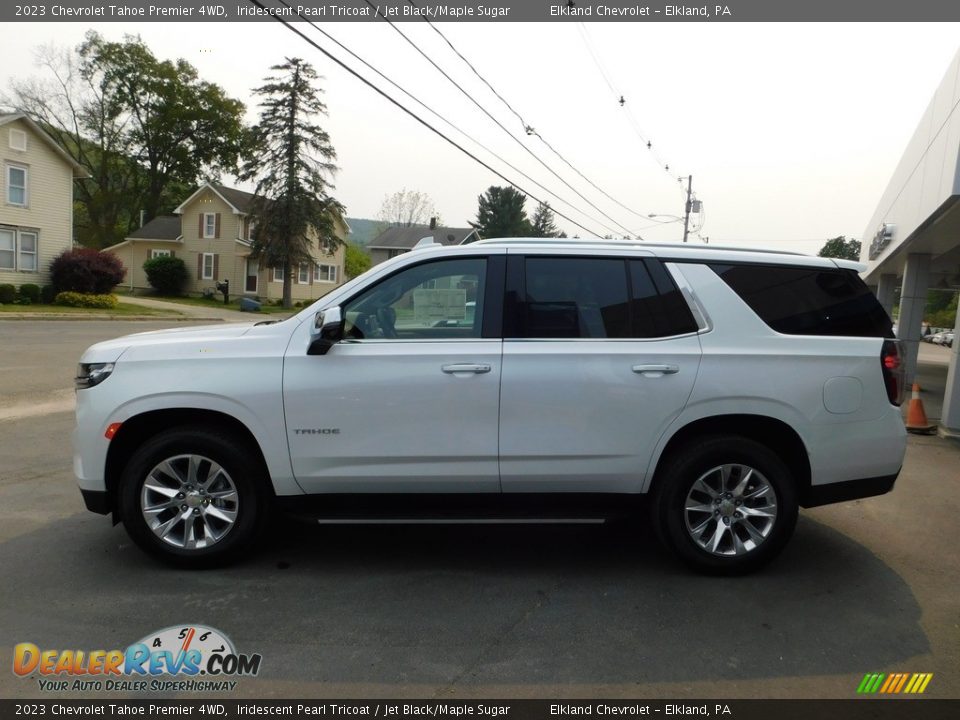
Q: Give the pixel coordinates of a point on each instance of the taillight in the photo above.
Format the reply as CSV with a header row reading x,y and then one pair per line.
x,y
894,371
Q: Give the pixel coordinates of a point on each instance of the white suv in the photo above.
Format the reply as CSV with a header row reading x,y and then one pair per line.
x,y
510,378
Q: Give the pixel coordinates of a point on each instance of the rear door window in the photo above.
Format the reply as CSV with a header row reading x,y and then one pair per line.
x,y
579,297
576,298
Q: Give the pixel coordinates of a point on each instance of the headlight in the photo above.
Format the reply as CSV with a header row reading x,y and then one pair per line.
x,y
90,374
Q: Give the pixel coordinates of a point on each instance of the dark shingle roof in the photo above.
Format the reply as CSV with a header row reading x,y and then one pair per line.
x,y
162,227
407,237
238,198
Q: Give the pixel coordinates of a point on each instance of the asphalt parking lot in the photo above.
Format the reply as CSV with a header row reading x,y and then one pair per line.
x,y
478,611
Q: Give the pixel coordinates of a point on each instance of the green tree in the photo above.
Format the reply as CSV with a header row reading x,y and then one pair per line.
x,y
291,159
543,223
500,213
841,248
356,262
945,312
180,127
144,129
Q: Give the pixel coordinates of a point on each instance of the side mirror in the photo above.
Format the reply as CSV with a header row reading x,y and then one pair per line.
x,y
327,331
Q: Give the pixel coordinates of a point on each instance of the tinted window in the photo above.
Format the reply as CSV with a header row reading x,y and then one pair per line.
x,y
667,308
575,298
435,300
808,301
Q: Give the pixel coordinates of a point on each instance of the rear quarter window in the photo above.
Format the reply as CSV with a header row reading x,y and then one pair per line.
x,y
808,301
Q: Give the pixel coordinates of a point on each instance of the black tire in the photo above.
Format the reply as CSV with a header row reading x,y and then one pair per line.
x,y
680,529
242,470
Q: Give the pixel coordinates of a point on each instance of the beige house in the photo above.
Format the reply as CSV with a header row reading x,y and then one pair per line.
x,y
36,200
212,232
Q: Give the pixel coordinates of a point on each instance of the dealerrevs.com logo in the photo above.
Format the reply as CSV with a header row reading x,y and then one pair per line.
x,y
180,658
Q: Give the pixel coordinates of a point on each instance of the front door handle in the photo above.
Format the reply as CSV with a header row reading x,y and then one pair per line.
x,y
656,370
475,368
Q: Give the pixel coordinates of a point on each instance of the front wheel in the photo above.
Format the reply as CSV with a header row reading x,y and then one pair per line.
x,y
725,504
192,497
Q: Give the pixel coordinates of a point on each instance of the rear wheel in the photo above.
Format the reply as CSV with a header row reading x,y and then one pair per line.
x,y
193,497
725,504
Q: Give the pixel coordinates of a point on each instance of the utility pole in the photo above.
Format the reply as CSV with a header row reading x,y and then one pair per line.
x,y
686,215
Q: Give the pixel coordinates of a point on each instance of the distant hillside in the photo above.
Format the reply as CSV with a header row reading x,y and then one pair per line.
x,y
363,230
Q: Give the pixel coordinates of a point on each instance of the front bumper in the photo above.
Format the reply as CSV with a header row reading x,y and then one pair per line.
x,y
98,501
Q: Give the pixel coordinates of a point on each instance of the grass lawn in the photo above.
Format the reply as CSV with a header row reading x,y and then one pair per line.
x,y
234,304
121,309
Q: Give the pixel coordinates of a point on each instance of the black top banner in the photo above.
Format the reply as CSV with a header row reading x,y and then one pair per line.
x,y
230,709
97,11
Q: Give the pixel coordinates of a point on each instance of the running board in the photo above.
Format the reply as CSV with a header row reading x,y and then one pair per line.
x,y
492,508
461,521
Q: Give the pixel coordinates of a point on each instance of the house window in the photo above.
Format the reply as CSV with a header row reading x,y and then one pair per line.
x,y
16,185
278,274
155,253
207,267
209,225
18,250
8,249
28,251
250,228
18,140
303,276
325,273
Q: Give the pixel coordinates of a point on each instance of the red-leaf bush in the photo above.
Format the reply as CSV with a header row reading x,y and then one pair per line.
x,y
86,270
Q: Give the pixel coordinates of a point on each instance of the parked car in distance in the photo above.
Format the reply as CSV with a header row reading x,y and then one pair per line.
x,y
520,378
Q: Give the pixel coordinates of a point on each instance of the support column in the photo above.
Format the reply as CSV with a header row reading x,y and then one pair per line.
x,y
950,420
885,288
913,300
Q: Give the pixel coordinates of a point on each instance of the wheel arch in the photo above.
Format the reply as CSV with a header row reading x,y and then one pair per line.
x,y
769,431
135,430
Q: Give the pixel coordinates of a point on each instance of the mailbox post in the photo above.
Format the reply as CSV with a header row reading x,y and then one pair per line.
x,y
224,287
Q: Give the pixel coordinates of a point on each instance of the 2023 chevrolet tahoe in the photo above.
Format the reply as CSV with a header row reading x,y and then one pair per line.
x,y
557,379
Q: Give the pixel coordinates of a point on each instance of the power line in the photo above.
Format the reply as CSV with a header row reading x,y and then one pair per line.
x,y
449,123
526,126
409,112
621,101
489,115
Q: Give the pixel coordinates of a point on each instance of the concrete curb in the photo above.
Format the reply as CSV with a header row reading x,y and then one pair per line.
x,y
106,316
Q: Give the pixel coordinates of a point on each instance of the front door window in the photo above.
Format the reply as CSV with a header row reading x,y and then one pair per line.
x,y
433,300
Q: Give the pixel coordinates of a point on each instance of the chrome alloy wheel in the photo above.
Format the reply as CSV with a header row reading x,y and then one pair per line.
x,y
730,510
189,501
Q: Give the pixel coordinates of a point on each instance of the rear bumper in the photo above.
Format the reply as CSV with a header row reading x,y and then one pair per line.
x,y
850,490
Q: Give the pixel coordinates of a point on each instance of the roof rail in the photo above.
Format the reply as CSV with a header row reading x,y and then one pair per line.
x,y
628,243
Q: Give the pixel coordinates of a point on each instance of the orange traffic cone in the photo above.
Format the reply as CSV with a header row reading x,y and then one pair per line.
x,y
916,417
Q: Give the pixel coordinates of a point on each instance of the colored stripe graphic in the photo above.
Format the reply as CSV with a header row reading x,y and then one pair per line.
x,y
903,681
894,683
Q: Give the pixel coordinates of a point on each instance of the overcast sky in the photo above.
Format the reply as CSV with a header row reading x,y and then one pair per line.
x,y
791,131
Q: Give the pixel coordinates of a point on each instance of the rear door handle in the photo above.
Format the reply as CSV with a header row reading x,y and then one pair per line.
x,y
475,368
656,370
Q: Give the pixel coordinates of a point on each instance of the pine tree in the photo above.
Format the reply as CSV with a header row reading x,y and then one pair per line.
x,y
543,223
291,160
500,213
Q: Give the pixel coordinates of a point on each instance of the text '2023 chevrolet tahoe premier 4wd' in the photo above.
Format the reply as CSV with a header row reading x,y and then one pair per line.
x,y
522,378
